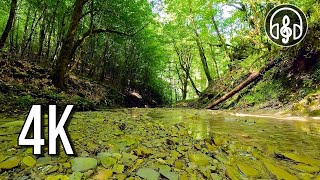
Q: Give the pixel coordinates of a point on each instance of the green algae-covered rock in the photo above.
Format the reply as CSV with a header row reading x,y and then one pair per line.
x,y
200,159
169,175
76,176
279,172
215,176
233,173
103,174
247,170
118,168
43,160
12,124
306,168
2,158
108,161
57,177
10,163
82,164
302,159
128,159
29,161
121,176
148,174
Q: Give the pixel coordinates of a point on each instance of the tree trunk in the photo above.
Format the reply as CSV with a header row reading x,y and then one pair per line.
x,y
201,51
222,40
215,61
17,33
41,38
24,37
12,32
253,77
193,85
33,28
65,55
9,23
51,29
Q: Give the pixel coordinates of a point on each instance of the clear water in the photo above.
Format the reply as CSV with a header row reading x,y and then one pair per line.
x,y
253,141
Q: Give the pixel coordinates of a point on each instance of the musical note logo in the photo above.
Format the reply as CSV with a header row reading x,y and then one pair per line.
x,y
286,25
286,31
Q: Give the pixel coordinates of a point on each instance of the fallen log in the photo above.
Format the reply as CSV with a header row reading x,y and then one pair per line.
x,y
252,77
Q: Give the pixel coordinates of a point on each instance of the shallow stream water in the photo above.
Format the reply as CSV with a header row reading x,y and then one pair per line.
x,y
170,144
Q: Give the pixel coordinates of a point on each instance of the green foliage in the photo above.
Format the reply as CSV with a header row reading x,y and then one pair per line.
x,y
138,53
25,101
82,103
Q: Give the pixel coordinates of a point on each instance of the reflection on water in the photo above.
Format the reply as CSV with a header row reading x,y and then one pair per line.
x,y
274,134
201,143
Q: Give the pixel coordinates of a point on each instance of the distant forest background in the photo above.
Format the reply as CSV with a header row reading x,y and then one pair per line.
x,y
159,51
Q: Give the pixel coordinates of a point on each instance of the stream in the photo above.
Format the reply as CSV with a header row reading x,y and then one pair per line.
x,y
169,144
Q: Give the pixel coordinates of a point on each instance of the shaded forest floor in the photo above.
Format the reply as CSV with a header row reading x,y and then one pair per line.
x,y
23,84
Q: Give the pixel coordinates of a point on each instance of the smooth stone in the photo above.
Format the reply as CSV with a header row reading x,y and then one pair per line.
x,y
279,172
247,170
76,176
2,158
10,163
103,174
164,167
12,124
233,173
200,159
148,174
222,158
82,164
301,159
29,161
215,176
305,176
169,175
118,168
108,161
178,165
306,168
128,159
43,160
184,176
57,177
121,176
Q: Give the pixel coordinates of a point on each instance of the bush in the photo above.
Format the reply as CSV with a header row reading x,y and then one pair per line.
x,y
25,101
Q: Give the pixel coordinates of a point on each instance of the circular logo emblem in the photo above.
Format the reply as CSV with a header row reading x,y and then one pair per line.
x,y
286,25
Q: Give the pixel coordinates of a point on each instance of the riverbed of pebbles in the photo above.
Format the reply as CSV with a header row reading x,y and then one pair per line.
x,y
136,144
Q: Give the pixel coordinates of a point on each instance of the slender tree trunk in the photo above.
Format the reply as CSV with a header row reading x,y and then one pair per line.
x,y
17,33
41,38
185,88
252,77
201,50
8,27
28,38
25,31
12,36
221,38
51,29
193,85
34,25
65,55
105,59
215,62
